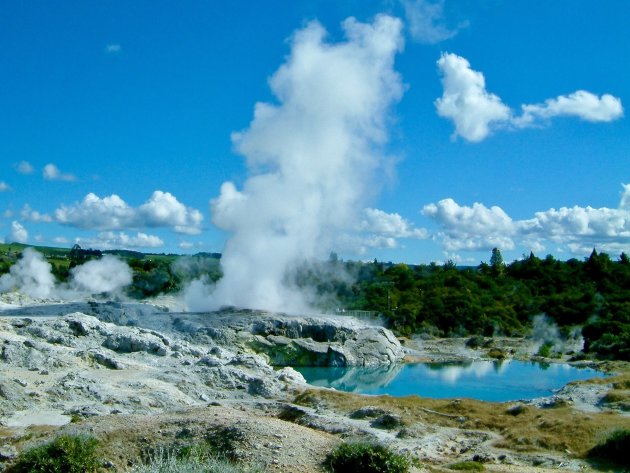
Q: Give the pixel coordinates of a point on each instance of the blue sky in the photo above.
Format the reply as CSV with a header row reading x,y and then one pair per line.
x,y
117,122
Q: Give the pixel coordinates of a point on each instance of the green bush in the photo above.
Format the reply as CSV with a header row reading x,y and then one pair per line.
x,y
614,449
65,454
545,350
365,458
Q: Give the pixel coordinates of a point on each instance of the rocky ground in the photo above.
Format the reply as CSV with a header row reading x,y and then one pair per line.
x,y
141,377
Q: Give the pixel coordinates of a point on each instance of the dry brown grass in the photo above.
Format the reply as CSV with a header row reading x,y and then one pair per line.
x,y
532,429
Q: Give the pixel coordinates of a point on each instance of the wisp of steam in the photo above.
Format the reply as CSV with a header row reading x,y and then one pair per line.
x,y
312,160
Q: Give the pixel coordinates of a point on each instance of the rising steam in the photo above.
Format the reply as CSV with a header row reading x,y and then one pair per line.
x,y
32,275
108,274
312,160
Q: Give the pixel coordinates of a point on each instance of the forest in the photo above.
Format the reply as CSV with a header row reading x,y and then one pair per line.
x,y
445,300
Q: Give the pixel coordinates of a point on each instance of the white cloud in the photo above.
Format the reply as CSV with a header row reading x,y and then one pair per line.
x,y
27,213
390,225
61,240
466,101
8,213
95,213
4,186
24,167
112,213
476,112
113,48
576,229
471,228
111,240
581,104
425,20
625,197
52,173
163,210
18,233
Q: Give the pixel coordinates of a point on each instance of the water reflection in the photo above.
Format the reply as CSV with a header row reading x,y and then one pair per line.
x,y
353,379
500,380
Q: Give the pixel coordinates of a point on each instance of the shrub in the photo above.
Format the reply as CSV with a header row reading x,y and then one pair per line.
x,y
67,454
545,350
614,448
365,458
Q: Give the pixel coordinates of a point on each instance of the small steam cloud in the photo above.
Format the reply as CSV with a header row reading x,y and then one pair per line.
x,y
109,274
312,158
32,275
546,331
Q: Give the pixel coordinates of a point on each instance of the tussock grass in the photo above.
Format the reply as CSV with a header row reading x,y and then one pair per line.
x,y
193,459
557,429
613,449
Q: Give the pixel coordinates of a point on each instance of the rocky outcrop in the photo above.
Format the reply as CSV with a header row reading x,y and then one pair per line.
x,y
78,365
284,340
58,362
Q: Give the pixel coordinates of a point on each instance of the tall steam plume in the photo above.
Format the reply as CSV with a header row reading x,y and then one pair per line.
x,y
312,160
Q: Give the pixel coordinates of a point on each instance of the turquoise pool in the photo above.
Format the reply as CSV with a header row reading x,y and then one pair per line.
x,y
499,381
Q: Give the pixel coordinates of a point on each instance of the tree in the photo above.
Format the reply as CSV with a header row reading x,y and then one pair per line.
x,y
496,262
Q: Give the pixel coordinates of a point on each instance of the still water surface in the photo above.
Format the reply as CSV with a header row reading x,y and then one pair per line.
x,y
509,380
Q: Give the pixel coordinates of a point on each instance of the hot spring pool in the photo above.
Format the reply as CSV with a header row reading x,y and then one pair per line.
x,y
497,381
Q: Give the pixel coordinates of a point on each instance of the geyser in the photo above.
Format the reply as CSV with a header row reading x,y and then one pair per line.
x,y
311,159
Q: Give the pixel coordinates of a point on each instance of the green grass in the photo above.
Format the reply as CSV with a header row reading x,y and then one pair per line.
x,y
365,458
467,466
65,454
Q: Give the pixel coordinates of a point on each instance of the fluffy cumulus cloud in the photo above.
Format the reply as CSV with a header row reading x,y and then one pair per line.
x,y
111,240
18,233
52,173
471,228
425,20
466,101
113,213
390,225
4,186
312,157
477,112
576,229
164,210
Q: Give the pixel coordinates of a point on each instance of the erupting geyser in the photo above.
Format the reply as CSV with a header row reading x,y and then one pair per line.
x,y
311,157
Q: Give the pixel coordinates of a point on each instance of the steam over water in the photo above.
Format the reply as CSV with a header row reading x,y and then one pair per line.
x,y
311,157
